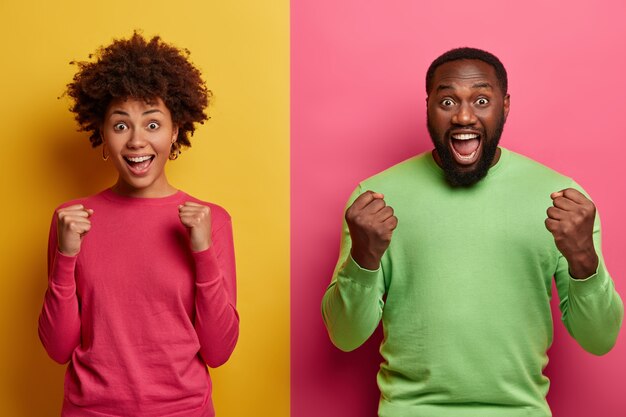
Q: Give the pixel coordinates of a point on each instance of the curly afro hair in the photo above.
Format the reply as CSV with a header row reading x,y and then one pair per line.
x,y
141,69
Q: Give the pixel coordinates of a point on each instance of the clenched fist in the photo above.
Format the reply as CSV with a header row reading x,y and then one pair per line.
x,y
72,225
197,219
570,220
371,223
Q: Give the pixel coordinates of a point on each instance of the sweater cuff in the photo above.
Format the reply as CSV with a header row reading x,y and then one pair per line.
x,y
207,268
353,272
63,267
584,287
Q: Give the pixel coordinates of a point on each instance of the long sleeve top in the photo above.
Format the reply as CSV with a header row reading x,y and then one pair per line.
x,y
463,292
136,313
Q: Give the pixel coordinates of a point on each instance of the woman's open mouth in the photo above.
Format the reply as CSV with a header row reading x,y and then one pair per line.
x,y
139,165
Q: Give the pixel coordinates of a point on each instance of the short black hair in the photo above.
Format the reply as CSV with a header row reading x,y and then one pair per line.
x,y
469,53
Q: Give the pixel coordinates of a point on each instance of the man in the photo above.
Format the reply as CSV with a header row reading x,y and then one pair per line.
x,y
460,269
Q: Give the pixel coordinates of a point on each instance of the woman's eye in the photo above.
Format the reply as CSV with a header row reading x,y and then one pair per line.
x,y
153,125
119,126
482,101
446,102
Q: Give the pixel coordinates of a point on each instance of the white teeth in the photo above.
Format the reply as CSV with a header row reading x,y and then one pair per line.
x,y
138,158
464,136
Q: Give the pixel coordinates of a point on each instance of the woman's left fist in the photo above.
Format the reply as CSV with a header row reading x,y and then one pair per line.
x,y
197,219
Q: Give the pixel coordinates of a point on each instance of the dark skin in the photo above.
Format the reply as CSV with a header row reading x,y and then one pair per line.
x,y
466,98
371,222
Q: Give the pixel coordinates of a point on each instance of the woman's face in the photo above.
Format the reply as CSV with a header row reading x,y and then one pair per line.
x,y
138,137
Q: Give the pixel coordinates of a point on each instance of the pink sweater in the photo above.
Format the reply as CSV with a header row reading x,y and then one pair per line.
x,y
136,313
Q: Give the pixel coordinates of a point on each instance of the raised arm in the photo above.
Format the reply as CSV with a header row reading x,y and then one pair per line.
x,y
592,311
353,303
59,321
216,321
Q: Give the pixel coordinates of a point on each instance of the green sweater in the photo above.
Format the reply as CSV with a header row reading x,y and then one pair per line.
x,y
464,292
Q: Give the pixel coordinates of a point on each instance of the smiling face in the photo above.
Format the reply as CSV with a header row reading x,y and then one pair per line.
x,y
466,111
138,137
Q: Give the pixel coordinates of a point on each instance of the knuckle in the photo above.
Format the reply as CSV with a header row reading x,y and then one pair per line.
x,y
566,229
579,217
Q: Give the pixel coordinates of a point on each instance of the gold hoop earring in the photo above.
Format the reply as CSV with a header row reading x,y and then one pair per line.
x,y
104,155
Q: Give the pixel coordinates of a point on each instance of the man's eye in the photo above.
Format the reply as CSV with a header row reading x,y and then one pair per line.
x,y
482,101
119,126
153,125
447,102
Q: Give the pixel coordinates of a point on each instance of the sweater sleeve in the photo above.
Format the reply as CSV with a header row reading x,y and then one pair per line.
x,y
216,320
353,303
591,309
59,320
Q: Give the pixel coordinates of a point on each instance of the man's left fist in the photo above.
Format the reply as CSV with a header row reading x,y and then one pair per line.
x,y
570,220
197,219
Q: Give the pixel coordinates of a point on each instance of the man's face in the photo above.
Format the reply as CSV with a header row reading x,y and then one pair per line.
x,y
466,111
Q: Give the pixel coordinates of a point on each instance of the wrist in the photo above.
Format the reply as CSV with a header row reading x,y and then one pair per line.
x,y
200,246
583,265
68,251
365,260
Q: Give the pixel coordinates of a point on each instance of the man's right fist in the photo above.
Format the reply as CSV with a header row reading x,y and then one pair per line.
x,y
371,223
73,223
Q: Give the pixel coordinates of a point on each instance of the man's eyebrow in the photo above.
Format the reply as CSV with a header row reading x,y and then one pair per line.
x,y
444,87
482,85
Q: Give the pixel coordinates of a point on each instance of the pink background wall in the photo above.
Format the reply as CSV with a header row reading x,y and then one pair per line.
x,y
357,107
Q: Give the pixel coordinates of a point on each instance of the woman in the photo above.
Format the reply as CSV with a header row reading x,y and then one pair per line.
x,y
141,286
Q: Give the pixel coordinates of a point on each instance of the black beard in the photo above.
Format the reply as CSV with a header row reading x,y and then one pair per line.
x,y
457,177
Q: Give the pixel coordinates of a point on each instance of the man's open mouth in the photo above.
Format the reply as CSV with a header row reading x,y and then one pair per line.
x,y
466,147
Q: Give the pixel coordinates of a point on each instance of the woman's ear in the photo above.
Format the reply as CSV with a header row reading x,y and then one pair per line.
x,y
175,133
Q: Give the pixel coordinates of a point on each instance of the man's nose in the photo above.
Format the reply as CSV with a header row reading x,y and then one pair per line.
x,y
464,116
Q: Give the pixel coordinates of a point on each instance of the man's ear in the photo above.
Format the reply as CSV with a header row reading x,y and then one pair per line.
x,y
507,105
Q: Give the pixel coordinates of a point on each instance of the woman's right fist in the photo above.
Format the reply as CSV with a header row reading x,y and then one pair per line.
x,y
371,223
72,224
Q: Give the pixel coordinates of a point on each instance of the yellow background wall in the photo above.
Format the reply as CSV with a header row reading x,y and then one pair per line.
x,y
239,159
